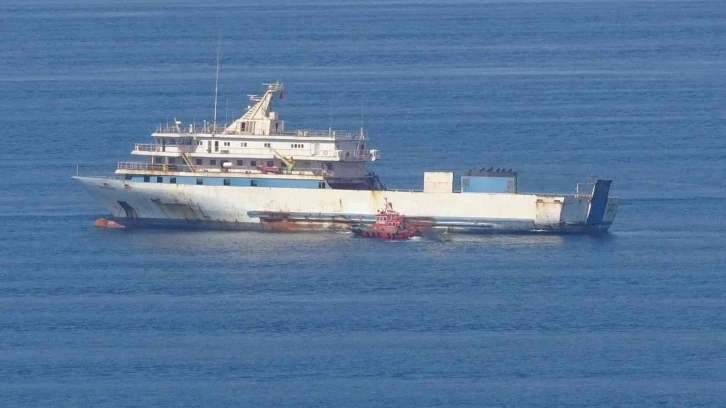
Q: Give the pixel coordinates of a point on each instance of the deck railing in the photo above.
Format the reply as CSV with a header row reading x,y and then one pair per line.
x,y
259,152
142,166
154,147
220,130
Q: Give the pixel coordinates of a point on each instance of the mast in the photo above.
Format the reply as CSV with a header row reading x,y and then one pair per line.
x,y
216,88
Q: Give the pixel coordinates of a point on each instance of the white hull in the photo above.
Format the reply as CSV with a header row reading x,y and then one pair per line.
x,y
265,208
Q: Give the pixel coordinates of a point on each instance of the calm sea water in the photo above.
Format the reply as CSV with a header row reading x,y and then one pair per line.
x,y
560,90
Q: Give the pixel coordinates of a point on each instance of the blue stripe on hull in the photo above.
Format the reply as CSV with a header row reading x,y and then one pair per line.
x,y
232,181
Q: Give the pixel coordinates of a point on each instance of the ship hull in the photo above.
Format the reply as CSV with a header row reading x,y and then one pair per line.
x,y
151,205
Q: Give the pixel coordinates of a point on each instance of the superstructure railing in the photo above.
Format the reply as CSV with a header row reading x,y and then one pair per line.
x,y
181,168
209,129
262,152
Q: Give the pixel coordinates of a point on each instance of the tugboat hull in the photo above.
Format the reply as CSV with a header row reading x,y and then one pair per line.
x,y
391,236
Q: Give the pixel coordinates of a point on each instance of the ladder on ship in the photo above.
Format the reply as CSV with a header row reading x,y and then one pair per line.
x,y
288,161
188,162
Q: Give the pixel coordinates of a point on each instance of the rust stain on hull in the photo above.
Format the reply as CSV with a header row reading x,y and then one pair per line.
x,y
283,222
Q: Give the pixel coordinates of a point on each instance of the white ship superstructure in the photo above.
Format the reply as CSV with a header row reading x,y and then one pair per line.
x,y
255,174
254,150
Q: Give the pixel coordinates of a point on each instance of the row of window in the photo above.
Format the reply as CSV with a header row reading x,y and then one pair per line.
x,y
225,144
240,163
200,181
244,144
173,142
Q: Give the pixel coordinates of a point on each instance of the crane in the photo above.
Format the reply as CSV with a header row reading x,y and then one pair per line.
x,y
289,162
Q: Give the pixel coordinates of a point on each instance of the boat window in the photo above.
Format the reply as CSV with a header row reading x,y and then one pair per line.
x,y
128,177
253,183
160,179
270,163
253,163
212,162
244,144
147,179
172,180
240,162
200,181
226,182
172,160
267,145
199,162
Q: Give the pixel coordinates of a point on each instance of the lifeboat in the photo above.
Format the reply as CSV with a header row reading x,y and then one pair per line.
x,y
389,225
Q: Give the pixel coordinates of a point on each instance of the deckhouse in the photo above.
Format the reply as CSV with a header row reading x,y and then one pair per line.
x,y
254,150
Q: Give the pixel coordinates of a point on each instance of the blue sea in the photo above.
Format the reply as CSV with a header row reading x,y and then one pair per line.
x,y
562,91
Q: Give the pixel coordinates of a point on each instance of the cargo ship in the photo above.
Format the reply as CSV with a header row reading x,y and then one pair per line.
x,y
255,174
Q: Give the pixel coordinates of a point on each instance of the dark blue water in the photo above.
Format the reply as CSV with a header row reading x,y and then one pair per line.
x,y
560,90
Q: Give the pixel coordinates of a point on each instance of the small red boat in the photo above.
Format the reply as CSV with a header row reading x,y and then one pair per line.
x,y
389,224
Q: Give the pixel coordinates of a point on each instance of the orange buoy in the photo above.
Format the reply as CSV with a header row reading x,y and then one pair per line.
x,y
104,223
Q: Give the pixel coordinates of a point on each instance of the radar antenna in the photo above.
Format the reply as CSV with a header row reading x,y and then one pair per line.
x,y
216,87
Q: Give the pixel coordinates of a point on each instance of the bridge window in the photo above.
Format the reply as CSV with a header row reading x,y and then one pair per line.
x,y
172,180
160,179
243,144
226,143
270,163
267,145
200,181
253,163
240,162
226,182
199,162
253,183
147,179
213,162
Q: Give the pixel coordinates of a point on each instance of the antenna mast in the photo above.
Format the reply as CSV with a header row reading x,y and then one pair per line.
x,y
362,134
330,126
216,87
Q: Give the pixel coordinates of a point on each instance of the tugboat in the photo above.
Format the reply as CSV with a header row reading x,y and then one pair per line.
x,y
389,225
